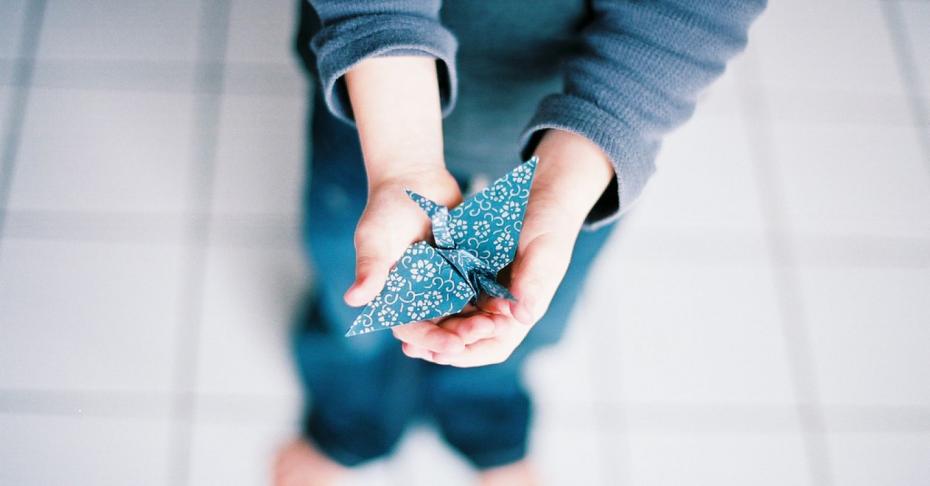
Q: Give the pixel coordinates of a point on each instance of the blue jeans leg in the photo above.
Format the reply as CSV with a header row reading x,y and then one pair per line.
x,y
485,412
362,391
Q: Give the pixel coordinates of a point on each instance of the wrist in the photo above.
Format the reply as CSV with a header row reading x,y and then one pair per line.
x,y
395,102
401,168
574,170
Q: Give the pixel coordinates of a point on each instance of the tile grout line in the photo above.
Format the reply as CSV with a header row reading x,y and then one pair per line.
x,y
146,405
904,58
22,77
277,227
794,325
213,27
170,76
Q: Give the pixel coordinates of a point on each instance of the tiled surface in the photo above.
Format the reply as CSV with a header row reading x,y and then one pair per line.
x,y
242,344
575,441
262,32
866,459
119,31
709,153
711,459
821,46
260,128
11,25
761,318
215,444
870,334
916,17
852,179
72,310
562,374
420,446
6,102
39,449
677,325
104,151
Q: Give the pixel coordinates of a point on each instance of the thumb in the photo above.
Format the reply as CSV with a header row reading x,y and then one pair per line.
x,y
372,265
538,269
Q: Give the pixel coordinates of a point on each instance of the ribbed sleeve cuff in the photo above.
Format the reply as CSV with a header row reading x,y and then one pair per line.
x,y
341,46
631,155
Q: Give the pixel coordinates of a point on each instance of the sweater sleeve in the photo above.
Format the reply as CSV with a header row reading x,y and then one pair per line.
x,y
352,31
637,76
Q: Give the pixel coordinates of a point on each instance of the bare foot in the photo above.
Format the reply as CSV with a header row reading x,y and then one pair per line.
x,y
521,473
300,464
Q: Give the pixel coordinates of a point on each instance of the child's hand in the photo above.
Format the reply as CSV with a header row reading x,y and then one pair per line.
x,y
391,221
572,173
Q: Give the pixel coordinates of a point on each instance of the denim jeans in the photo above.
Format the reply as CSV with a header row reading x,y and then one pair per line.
x,y
363,391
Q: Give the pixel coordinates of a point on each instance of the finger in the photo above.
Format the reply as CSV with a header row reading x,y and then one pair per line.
x,y
494,305
481,353
414,351
538,269
471,327
492,350
372,265
428,335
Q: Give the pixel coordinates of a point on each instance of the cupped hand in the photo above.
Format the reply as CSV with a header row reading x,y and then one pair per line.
x,y
391,221
572,174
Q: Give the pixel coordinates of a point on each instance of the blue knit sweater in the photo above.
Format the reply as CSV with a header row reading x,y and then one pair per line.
x,y
622,73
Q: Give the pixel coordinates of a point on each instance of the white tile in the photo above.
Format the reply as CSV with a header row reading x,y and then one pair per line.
x,y
837,107
639,240
886,459
692,332
12,16
104,151
87,316
823,46
916,16
250,297
262,32
570,449
722,97
260,155
6,104
117,30
852,179
717,459
563,372
236,454
375,473
56,450
704,179
423,459
869,334
115,76
281,80
686,419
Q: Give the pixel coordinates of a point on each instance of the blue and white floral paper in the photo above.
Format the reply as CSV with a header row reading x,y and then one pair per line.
x,y
473,242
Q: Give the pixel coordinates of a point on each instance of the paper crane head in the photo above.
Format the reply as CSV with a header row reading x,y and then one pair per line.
x,y
473,242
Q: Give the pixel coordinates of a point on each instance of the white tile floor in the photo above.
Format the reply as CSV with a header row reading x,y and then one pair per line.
x,y
763,318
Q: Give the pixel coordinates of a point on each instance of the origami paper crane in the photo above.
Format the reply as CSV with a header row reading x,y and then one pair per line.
x,y
474,241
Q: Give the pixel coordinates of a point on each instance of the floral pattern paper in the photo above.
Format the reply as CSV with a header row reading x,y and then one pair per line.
x,y
473,242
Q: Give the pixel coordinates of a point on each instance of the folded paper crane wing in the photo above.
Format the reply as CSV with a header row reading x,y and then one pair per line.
x,y
473,242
